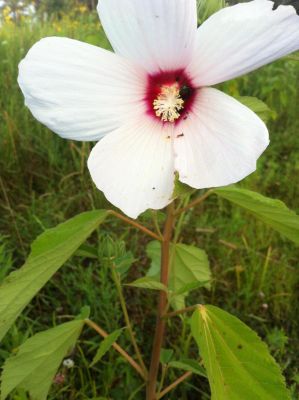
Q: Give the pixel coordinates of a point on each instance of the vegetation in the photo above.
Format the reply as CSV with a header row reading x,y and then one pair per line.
x,y
44,181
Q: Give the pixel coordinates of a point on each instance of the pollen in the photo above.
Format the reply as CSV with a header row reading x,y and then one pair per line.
x,y
169,103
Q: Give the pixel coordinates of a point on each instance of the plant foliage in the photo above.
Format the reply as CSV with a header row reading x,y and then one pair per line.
x,y
49,252
272,212
238,363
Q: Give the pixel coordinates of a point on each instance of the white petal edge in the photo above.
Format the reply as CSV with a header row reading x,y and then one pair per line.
x,y
134,166
242,38
79,91
158,34
222,140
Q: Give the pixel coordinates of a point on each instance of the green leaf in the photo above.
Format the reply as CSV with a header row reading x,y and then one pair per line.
x,y
189,365
166,356
205,8
272,212
189,269
189,265
180,188
191,286
238,363
105,345
49,252
124,262
38,359
153,251
148,283
87,251
257,106
84,313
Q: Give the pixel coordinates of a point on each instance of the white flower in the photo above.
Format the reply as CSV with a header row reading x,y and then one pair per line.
x,y
148,104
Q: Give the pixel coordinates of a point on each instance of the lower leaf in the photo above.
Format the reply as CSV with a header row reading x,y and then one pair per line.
x,y
238,363
38,359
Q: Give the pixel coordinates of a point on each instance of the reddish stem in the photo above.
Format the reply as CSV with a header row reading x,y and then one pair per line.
x,y
160,325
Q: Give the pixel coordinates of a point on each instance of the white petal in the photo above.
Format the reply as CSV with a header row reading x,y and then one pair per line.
x,y
242,38
220,141
79,91
133,166
159,34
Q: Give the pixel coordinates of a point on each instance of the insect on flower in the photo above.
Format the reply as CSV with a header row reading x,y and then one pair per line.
x,y
149,104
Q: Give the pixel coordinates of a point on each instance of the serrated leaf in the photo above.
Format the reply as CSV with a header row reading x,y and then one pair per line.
x,y
148,283
257,106
166,355
189,268
238,363
189,365
189,264
272,212
37,360
105,345
49,252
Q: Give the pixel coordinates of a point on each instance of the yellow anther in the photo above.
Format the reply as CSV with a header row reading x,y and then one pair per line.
x,y
169,103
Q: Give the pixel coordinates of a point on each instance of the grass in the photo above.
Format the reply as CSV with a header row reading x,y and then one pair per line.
x,y
44,181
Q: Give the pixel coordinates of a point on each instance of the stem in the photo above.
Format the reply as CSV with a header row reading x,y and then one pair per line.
x,y
136,225
194,203
179,312
163,376
161,323
156,224
127,319
174,384
180,222
121,351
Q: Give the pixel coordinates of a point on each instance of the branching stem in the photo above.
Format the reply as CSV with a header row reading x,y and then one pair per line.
x,y
127,319
136,225
179,312
194,203
174,384
118,348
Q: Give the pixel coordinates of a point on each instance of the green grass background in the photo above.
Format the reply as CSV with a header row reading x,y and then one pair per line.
x,y
44,181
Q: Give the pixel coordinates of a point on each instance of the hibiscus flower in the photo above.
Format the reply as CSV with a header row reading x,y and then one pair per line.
x,y
149,104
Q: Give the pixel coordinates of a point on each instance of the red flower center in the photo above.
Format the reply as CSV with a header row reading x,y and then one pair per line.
x,y
169,96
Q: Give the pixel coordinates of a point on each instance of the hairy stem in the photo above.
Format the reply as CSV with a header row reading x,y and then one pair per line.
x,y
127,319
162,305
121,351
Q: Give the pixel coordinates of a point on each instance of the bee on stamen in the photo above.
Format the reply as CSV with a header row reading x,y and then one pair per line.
x,y
185,92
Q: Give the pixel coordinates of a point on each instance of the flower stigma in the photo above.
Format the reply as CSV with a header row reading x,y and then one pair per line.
x,y
169,103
